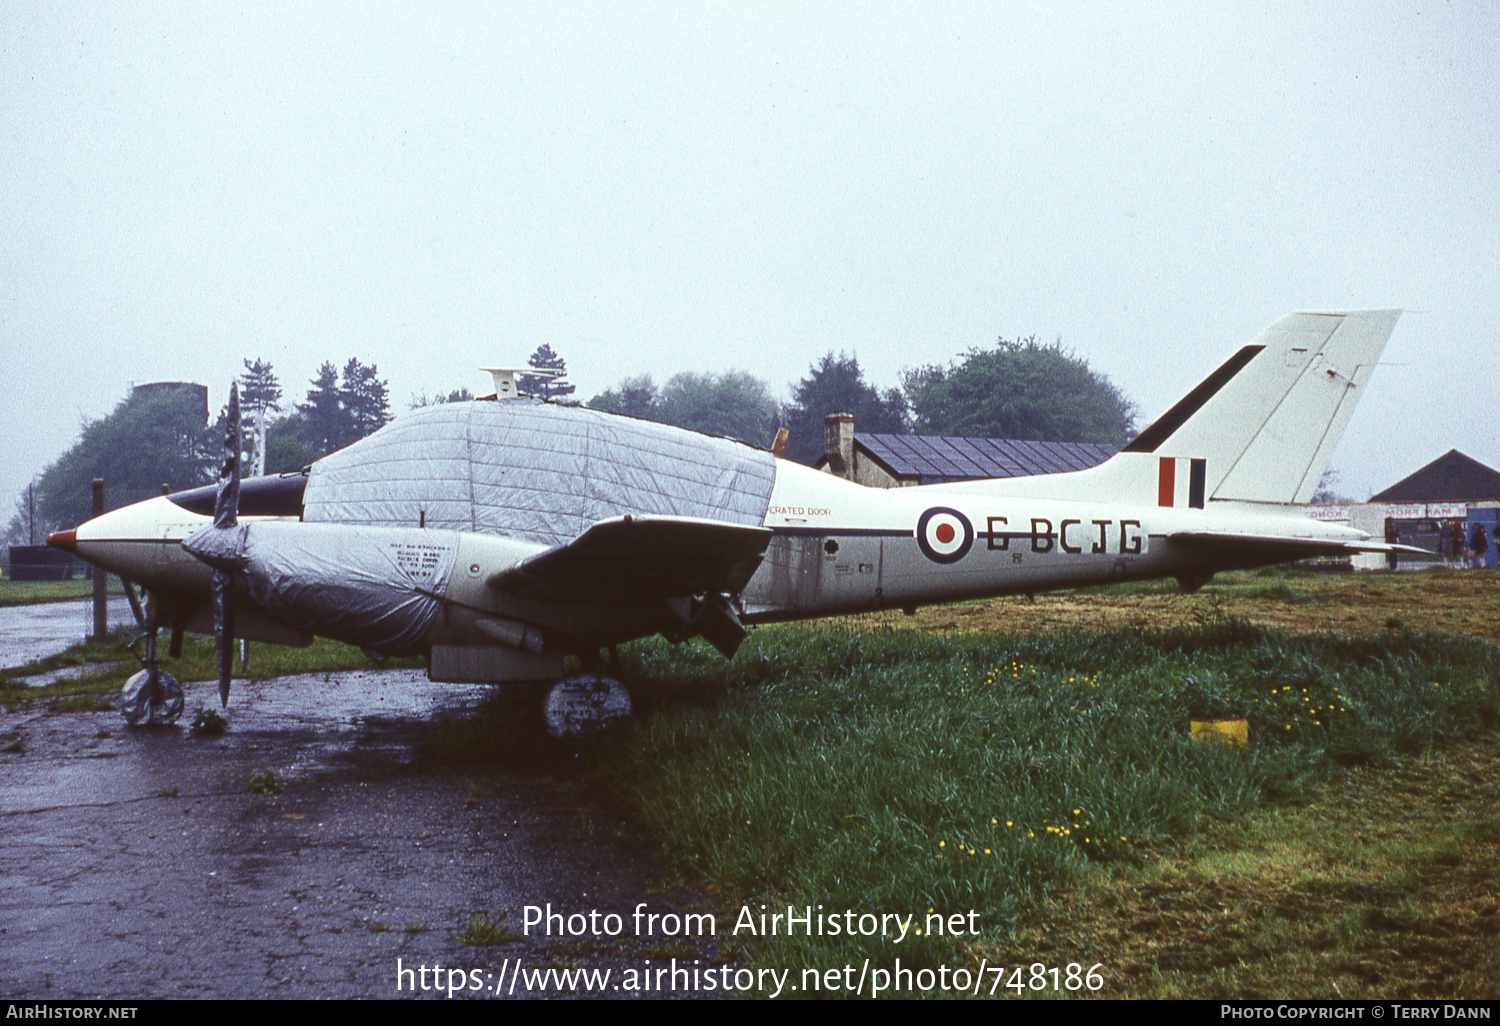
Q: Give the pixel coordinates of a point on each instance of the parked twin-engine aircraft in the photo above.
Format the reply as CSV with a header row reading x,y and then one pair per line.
x,y
502,537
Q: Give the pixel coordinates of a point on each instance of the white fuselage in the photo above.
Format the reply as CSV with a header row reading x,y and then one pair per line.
x,y
841,548
836,548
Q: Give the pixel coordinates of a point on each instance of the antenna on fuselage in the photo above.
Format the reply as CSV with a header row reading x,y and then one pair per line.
x,y
505,379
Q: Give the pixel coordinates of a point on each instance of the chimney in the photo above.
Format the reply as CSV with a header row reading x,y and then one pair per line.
x,y
838,444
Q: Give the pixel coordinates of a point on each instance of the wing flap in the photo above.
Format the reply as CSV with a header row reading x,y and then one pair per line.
x,y
633,559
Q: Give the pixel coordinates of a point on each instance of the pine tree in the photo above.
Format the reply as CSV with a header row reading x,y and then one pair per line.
x,y
259,389
365,399
260,396
323,412
552,387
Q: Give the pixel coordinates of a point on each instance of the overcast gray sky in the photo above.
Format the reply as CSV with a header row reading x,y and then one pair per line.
x,y
706,187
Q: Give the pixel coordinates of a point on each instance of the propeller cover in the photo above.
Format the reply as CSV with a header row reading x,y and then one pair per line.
x,y
222,548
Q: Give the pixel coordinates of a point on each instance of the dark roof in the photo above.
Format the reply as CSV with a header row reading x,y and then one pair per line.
x,y
1452,477
934,458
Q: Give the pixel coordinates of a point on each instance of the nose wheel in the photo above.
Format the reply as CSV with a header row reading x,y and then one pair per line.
x,y
152,696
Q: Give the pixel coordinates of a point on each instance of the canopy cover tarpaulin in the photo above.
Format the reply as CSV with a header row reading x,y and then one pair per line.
x,y
530,470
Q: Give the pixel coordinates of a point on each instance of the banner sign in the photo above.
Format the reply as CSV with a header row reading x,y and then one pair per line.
x,y
1409,511
1329,513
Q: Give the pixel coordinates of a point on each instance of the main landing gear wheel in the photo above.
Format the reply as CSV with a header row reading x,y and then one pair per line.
x,y
584,703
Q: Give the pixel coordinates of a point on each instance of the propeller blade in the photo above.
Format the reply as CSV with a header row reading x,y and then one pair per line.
x,y
227,516
223,632
227,501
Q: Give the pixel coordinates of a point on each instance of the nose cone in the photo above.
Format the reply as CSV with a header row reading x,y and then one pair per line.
x,y
131,541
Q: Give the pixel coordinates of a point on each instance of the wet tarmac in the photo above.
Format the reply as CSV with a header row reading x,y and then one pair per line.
x,y
136,863
36,631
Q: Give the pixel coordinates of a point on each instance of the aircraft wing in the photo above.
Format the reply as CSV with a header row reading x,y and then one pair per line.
x,y
1259,550
641,559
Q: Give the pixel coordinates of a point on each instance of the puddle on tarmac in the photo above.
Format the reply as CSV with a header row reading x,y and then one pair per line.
x,y
137,863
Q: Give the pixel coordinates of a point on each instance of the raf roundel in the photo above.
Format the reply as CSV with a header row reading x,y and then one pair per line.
x,y
944,535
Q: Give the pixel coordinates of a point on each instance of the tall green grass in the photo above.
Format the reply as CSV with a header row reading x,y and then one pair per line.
x,y
897,772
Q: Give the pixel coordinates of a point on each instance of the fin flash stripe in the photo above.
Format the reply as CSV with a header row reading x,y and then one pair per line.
x,y
1169,491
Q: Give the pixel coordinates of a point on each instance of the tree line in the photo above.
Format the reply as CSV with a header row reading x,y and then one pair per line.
x,y
159,436
1017,389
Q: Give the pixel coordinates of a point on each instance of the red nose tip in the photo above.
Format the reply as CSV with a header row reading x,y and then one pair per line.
x,y
65,540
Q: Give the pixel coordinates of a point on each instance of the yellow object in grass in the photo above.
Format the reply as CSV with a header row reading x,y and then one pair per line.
x,y
1231,732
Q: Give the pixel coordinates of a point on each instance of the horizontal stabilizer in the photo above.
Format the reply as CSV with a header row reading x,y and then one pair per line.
x,y
1230,550
635,559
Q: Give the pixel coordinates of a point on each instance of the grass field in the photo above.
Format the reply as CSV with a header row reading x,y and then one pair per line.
x,y
27,593
1437,599
1032,762
1386,884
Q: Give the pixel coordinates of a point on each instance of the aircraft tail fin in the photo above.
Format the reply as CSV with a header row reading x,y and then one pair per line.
x,y
1261,428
